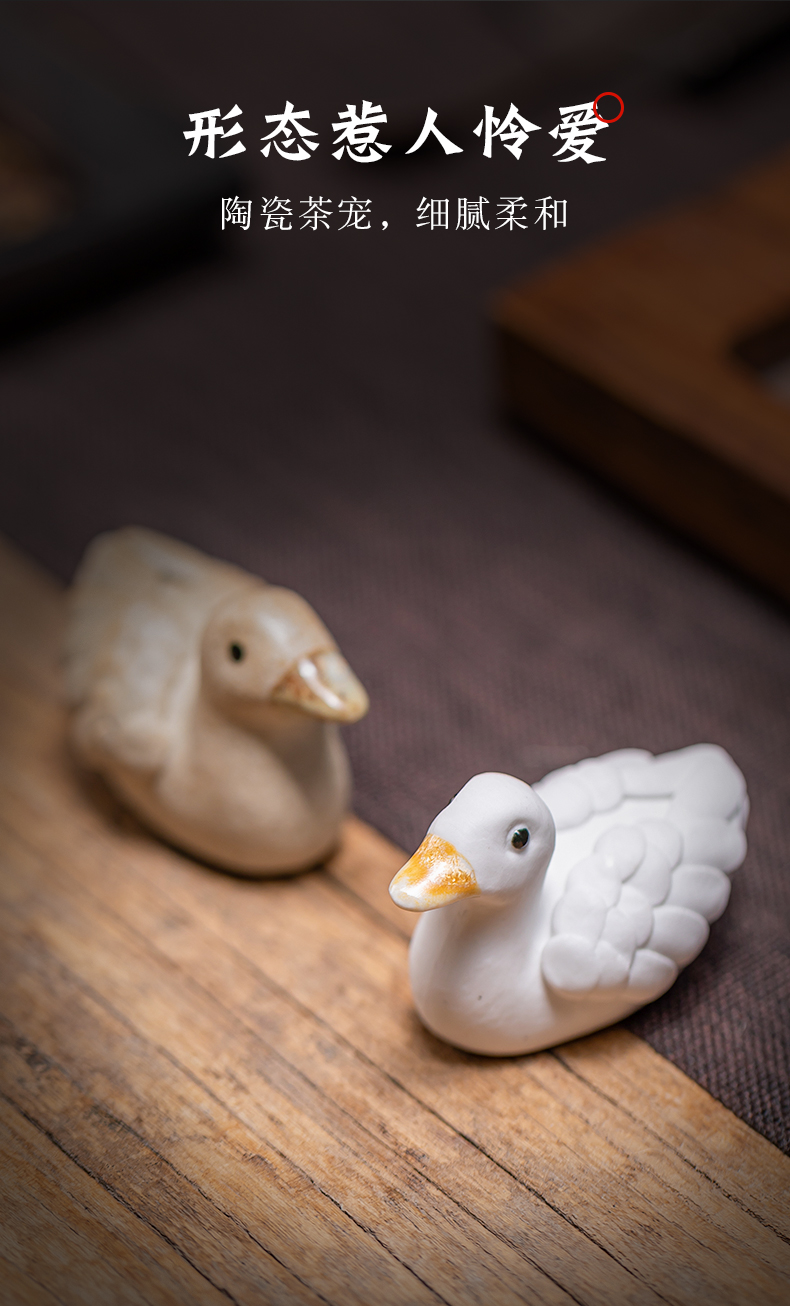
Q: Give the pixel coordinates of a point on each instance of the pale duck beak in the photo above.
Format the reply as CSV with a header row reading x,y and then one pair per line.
x,y
323,685
435,876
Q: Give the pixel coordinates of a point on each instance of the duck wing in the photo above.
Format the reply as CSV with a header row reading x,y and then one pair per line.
x,y
645,846
138,607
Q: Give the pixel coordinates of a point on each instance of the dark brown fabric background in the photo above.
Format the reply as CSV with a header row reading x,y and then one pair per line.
x,y
320,409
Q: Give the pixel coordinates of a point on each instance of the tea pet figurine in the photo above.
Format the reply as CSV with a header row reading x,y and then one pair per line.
x,y
552,911
210,702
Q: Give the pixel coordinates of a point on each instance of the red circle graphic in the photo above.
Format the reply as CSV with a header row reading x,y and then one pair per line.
x,y
602,96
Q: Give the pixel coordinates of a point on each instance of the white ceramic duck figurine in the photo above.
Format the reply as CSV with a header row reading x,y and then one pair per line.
x,y
568,905
209,701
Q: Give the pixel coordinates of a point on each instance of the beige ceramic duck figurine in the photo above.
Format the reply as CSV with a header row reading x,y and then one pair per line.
x,y
209,701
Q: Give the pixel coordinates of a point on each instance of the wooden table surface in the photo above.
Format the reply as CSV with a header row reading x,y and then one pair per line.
x,y
215,1090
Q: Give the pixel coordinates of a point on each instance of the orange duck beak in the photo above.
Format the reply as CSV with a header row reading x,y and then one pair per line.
x,y
435,876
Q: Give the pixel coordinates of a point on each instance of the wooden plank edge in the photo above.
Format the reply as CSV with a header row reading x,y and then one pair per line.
x,y
710,501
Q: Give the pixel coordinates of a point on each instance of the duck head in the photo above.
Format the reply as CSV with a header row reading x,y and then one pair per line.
x,y
266,646
493,839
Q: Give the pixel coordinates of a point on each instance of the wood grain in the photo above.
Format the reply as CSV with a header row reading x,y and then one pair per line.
x,y
631,356
214,1089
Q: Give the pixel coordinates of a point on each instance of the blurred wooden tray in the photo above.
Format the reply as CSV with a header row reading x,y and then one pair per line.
x,y
642,357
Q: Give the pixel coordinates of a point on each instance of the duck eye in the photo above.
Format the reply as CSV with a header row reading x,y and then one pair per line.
x,y
236,652
520,838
